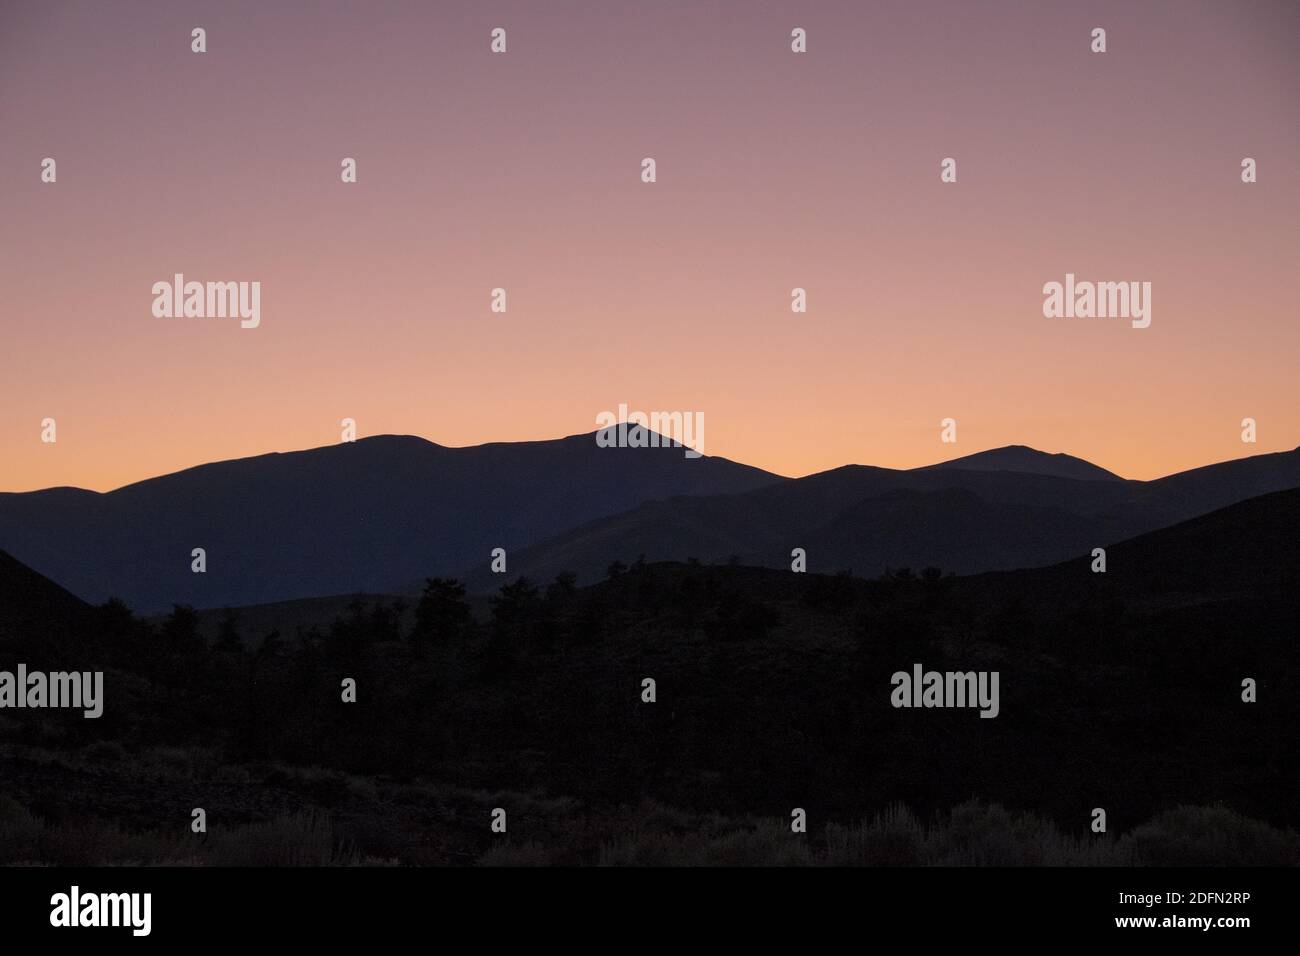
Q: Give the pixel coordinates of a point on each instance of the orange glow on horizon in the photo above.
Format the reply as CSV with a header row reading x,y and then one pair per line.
x,y
522,172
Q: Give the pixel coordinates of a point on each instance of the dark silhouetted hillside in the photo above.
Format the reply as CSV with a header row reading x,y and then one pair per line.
x,y
1252,548
1120,690
867,519
361,516
33,609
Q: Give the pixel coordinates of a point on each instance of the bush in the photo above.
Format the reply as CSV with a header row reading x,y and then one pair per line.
x,y
1211,836
300,839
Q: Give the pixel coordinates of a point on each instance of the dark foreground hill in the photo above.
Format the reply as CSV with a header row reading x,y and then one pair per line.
x,y
1250,549
773,690
359,516
961,515
30,602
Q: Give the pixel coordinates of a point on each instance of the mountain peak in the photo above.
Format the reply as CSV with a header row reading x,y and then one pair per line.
x,y
1022,458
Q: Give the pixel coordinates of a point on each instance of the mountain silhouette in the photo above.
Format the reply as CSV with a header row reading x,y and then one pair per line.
x,y
358,516
866,520
1024,458
383,513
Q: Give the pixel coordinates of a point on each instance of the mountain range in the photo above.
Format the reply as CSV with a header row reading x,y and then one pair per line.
x,y
357,516
382,513
998,510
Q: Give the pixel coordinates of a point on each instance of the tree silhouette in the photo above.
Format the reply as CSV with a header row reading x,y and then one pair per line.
x,y
180,629
516,607
228,639
442,613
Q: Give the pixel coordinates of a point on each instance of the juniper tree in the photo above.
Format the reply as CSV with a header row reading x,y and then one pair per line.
x,y
442,613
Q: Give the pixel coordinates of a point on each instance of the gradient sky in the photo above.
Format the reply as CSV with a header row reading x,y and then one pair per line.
x,y
775,170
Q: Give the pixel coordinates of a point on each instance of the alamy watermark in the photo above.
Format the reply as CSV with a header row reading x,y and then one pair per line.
x,y
922,688
75,908
1102,300
651,430
76,689
208,300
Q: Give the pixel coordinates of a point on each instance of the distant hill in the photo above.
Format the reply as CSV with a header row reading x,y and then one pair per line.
x,y
359,516
1023,458
864,519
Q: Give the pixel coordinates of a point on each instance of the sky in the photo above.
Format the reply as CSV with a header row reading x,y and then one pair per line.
x,y
522,170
